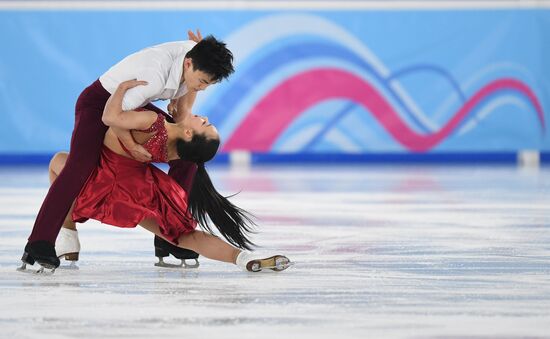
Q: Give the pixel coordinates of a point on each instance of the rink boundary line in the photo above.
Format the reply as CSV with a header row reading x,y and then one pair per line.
x,y
271,5
444,158
243,158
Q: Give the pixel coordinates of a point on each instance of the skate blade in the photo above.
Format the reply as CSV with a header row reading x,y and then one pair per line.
x,y
43,270
71,266
183,264
71,258
275,263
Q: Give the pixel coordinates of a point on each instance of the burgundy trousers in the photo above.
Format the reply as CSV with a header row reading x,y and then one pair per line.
x,y
86,142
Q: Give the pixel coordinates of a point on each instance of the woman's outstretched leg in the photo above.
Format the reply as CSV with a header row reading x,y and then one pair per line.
x,y
214,248
209,246
203,243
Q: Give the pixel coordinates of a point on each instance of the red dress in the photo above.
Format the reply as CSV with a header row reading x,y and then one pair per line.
x,y
123,191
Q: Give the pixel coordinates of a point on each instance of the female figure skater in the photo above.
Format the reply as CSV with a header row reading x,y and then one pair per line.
x,y
124,192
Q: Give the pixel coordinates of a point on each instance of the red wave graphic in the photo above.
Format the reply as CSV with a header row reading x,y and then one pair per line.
x,y
276,111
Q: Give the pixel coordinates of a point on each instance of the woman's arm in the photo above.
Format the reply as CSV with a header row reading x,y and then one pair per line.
x,y
122,122
114,116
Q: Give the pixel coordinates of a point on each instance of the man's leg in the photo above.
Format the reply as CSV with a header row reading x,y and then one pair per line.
x,y
67,244
86,143
183,172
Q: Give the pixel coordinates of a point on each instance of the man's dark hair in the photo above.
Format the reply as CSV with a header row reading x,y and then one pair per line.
x,y
212,57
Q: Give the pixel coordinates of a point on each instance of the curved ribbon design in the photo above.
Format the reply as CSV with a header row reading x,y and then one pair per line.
x,y
276,110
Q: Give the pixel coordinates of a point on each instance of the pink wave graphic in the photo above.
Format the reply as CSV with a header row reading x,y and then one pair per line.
x,y
276,111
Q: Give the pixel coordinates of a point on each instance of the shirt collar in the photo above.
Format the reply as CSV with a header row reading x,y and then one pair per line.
x,y
176,72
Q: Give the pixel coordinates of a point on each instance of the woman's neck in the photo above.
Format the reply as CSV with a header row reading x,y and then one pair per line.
x,y
174,132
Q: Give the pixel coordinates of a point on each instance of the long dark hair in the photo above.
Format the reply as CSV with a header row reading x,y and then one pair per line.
x,y
233,222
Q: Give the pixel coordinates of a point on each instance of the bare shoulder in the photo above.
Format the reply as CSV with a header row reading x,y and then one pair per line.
x,y
143,119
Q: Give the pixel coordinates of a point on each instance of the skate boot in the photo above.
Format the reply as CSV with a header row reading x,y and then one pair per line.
x,y
254,263
67,246
41,252
163,249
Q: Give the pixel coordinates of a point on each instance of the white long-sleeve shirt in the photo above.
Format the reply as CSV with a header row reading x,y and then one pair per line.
x,y
161,66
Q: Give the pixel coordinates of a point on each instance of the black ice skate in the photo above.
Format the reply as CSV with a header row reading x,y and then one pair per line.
x,y
163,249
41,252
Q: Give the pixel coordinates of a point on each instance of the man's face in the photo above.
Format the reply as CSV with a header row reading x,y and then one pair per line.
x,y
195,80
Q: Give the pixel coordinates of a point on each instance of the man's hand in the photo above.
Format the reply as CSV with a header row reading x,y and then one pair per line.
x,y
173,108
192,36
139,153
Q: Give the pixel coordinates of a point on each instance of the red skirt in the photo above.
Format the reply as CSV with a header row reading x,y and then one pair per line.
x,y
123,191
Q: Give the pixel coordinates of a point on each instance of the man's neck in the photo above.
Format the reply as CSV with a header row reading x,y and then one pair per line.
x,y
182,79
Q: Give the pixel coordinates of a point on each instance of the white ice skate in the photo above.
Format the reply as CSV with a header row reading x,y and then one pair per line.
x,y
67,245
253,262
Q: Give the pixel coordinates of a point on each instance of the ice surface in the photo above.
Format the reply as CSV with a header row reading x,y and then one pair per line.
x,y
380,252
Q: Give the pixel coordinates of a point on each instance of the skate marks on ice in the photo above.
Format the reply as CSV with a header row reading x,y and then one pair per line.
x,y
379,252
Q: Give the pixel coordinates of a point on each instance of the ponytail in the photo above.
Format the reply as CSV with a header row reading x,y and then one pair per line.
x,y
205,202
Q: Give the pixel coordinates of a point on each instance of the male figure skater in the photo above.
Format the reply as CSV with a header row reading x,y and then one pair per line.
x,y
173,71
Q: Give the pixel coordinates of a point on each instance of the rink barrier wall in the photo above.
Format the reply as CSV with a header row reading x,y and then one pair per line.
x,y
315,81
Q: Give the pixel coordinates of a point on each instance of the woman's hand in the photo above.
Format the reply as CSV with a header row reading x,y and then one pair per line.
x,y
113,106
126,85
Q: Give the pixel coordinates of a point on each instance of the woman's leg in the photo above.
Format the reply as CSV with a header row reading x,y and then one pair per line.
x,y
203,243
56,166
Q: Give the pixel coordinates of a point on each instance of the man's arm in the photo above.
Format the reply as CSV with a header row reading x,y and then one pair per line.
x,y
183,105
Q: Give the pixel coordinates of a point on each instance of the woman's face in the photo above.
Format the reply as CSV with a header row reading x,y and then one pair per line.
x,y
200,125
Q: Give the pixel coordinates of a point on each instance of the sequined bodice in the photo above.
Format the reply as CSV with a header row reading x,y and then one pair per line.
x,y
157,145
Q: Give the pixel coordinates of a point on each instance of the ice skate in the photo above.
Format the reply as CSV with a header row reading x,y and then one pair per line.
x,y
67,246
163,249
254,263
41,252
